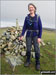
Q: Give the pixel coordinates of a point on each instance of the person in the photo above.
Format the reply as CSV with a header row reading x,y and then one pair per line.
x,y
33,28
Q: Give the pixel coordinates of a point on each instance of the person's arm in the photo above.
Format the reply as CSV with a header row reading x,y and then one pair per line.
x,y
24,28
40,28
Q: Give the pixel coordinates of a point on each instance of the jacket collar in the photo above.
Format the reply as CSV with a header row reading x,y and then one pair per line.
x,y
34,16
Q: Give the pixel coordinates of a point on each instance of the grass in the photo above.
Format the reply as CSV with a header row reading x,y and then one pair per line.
x,y
47,62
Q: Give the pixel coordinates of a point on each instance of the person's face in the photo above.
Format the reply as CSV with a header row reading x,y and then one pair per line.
x,y
31,9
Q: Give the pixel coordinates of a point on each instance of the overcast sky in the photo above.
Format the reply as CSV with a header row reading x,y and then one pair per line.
x,y
10,10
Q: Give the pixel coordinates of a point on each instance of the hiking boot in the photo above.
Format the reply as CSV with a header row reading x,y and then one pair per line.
x,y
27,64
38,67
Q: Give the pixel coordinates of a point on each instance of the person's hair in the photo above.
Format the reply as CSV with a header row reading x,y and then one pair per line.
x,y
32,5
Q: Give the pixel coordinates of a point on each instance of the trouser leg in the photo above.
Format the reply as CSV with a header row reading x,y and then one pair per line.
x,y
37,50
28,45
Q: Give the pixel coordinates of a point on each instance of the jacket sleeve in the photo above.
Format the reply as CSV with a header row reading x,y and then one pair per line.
x,y
40,27
24,28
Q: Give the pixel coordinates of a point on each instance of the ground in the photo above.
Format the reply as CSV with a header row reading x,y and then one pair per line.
x,y
47,60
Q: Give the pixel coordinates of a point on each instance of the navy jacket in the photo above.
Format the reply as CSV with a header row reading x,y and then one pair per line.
x,y
36,26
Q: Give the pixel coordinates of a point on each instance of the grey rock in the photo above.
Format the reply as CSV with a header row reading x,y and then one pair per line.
x,y
33,54
7,37
1,41
14,60
7,53
48,43
12,37
23,53
42,42
3,38
9,44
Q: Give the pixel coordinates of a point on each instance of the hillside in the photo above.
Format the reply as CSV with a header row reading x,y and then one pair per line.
x,y
47,58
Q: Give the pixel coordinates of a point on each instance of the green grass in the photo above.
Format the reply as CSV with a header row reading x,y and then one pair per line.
x,y
47,62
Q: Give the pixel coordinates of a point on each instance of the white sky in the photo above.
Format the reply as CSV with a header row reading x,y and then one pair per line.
x,y
10,10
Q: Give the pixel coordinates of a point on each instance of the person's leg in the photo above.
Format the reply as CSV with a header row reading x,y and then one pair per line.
x,y
28,52
37,52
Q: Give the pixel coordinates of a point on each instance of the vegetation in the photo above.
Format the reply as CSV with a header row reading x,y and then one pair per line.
x,y
47,60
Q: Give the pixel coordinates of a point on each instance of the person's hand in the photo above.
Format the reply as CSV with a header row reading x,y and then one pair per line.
x,y
21,38
39,40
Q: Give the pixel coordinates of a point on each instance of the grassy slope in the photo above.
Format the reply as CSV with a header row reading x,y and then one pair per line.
x,y
47,61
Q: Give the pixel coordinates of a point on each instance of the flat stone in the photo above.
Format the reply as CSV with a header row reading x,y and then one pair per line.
x,y
7,37
5,49
23,53
33,54
4,38
12,37
42,42
14,60
24,44
48,43
9,44
1,41
7,53
3,45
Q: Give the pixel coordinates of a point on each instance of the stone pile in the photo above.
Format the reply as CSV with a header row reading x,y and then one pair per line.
x,y
13,48
10,43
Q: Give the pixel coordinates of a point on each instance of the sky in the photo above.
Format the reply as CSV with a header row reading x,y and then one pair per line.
x,y
10,10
